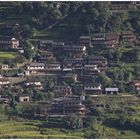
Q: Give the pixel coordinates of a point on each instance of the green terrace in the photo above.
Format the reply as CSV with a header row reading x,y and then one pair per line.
x,y
7,55
33,129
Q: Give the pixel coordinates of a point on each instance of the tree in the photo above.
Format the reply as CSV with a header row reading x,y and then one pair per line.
x,y
115,73
22,31
29,91
129,76
137,55
30,51
50,95
16,31
96,130
74,7
115,23
105,80
121,87
19,59
137,70
118,55
20,70
26,110
38,95
110,53
49,83
74,122
26,31
122,117
64,9
121,74
88,121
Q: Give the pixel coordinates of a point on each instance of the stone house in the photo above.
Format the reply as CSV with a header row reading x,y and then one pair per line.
x,y
4,82
24,98
93,89
9,43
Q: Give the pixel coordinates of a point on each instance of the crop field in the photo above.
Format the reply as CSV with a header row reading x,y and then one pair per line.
x,y
31,129
34,129
7,55
23,128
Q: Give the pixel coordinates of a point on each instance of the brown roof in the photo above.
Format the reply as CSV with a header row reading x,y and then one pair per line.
x,y
85,37
127,33
112,36
3,79
74,46
136,82
35,64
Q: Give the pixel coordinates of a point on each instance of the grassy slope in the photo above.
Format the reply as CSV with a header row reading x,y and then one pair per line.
x,y
67,30
8,55
31,129
25,129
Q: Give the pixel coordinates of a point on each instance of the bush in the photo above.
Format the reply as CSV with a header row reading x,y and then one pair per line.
x,y
74,122
9,73
64,130
122,132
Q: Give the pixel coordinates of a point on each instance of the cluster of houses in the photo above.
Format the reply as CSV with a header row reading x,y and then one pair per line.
x,y
77,65
66,106
107,40
66,103
117,6
80,66
122,6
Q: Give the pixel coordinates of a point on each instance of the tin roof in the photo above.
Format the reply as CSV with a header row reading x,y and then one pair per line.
x,y
111,89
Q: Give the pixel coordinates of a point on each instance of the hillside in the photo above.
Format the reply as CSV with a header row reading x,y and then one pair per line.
x,y
69,69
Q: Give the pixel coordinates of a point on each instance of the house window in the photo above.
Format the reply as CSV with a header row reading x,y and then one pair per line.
x,y
25,100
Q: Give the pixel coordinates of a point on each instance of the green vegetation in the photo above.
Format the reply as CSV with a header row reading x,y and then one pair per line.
x,y
20,128
31,129
7,55
31,21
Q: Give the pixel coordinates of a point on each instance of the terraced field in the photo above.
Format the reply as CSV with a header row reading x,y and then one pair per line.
x,y
7,55
34,129
25,129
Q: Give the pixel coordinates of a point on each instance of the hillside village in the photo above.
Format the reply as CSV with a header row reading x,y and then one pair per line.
x,y
57,78
74,76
